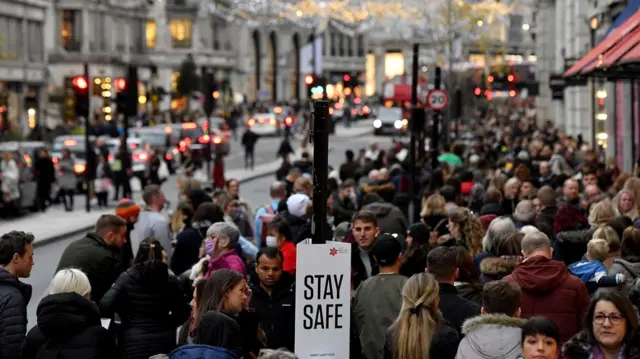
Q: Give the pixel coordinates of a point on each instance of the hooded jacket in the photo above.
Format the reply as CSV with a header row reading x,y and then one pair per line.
x,y
14,297
491,336
630,267
549,290
496,268
390,218
68,327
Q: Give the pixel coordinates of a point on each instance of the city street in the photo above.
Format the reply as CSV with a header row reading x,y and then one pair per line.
x,y
255,192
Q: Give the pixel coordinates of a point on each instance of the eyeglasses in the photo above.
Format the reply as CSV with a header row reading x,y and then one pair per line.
x,y
614,319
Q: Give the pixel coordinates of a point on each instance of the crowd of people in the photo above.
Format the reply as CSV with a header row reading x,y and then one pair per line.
x,y
524,245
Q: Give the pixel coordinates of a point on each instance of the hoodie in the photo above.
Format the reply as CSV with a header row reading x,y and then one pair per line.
x,y
390,218
491,336
549,290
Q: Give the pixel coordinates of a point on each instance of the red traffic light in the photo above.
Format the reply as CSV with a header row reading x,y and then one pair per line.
x,y
309,80
120,84
510,78
346,78
490,79
477,91
80,82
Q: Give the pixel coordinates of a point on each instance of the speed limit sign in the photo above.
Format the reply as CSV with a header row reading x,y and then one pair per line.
x,y
437,99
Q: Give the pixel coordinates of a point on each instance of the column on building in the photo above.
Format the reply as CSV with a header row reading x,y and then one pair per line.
x,y
558,113
379,52
85,27
584,97
245,57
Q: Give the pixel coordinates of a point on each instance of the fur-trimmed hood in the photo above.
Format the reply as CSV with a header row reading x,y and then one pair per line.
x,y
491,336
579,347
499,265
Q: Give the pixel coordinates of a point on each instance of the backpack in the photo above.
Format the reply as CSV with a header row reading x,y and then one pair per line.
x,y
199,351
266,219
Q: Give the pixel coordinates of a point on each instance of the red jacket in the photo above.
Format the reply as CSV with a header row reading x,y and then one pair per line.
x,y
549,290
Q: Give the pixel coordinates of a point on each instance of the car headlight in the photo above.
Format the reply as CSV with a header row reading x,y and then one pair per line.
x,y
377,123
397,124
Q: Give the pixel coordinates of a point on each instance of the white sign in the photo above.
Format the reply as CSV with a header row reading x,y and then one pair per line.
x,y
437,99
323,300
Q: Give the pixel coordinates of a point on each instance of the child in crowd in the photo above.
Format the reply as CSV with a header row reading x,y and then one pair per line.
x,y
591,269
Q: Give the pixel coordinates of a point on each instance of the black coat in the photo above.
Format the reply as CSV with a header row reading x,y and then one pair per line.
x,y
358,271
444,344
545,221
276,310
14,297
454,308
187,250
96,259
68,328
151,307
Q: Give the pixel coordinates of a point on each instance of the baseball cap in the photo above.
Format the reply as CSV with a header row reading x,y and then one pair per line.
x,y
386,250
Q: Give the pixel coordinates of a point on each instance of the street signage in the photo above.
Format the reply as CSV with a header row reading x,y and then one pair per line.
x,y
437,99
323,300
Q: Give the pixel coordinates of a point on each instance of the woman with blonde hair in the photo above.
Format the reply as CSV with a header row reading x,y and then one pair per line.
x,y
69,323
433,213
467,230
633,186
601,213
419,331
624,204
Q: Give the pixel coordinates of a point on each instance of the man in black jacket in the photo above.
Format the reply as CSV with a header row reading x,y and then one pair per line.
x,y
98,254
274,297
442,263
16,260
365,230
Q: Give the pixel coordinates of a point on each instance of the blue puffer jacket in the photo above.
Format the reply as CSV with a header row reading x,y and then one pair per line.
x,y
14,297
199,351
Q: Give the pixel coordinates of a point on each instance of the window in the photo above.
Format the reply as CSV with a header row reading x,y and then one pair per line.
x,y
11,38
216,35
35,41
71,30
334,44
137,36
151,32
341,45
349,46
180,33
98,41
360,45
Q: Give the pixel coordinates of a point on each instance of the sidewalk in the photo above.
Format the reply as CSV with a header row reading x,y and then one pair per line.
x,y
56,224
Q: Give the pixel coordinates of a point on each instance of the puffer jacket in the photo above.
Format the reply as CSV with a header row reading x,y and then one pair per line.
x,y
491,336
151,307
14,297
390,218
630,267
581,347
68,328
496,268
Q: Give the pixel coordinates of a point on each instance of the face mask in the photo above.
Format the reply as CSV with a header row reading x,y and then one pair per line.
x,y
272,241
208,247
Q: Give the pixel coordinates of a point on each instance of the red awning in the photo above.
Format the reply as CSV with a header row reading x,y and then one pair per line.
x,y
610,41
632,56
607,59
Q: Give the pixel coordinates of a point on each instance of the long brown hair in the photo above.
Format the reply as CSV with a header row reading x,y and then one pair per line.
x,y
413,330
214,294
470,228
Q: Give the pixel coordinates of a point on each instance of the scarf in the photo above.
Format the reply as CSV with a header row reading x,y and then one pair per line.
x,y
596,353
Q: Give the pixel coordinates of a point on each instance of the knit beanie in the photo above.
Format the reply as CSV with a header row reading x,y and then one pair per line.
x,y
127,208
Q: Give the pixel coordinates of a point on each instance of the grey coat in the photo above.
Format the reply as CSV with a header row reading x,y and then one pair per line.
x,y
66,176
491,336
631,271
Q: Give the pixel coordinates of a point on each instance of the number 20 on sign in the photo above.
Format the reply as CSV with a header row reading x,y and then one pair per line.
x,y
437,99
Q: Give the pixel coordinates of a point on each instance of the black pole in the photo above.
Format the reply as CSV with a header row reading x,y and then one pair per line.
x,y
320,137
437,82
87,143
415,130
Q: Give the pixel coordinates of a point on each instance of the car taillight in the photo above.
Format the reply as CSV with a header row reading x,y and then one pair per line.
x,y
354,112
141,156
288,121
273,122
110,157
365,110
204,139
217,140
79,168
252,122
168,157
55,160
182,146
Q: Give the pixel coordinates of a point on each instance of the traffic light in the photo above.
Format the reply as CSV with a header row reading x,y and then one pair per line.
x,y
121,96
477,92
511,78
310,81
347,79
80,86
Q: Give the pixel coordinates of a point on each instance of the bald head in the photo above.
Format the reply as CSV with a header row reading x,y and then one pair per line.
x,y
277,190
592,191
571,189
536,244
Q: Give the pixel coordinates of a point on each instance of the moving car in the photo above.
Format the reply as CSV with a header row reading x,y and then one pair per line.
x,y
161,142
389,121
139,155
76,145
23,153
265,124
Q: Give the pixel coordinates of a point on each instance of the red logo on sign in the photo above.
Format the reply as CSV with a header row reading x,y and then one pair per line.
x,y
333,252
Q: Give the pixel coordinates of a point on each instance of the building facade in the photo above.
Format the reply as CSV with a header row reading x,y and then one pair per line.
x,y
23,72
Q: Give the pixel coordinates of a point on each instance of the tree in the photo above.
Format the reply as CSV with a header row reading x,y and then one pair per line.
x,y
188,80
